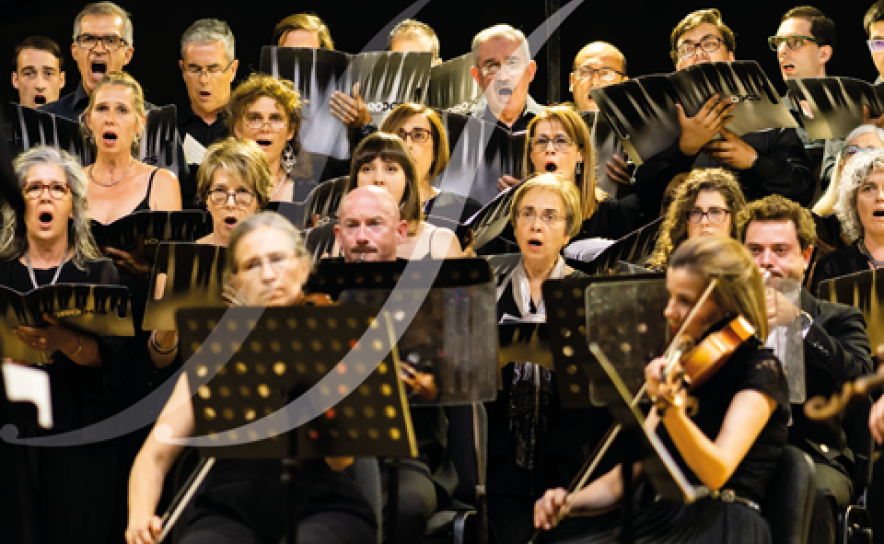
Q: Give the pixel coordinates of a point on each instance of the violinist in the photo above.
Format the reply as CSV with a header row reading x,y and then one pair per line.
x,y
369,230
780,235
241,501
732,443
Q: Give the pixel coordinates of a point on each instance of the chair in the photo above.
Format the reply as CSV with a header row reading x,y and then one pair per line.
x,y
449,523
790,495
854,523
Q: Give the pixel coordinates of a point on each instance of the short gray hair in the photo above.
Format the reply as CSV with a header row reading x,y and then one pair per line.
x,y
865,129
14,240
499,31
208,31
855,173
107,8
410,27
264,219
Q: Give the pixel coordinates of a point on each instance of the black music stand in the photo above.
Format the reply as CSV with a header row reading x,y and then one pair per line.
x,y
331,374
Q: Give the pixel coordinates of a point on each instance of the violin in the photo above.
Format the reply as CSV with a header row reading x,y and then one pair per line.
x,y
709,356
820,408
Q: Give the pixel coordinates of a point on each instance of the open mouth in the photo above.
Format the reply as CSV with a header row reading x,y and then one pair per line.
x,y
505,93
109,138
263,143
551,167
878,213
98,70
230,221
205,94
535,244
787,67
39,100
45,219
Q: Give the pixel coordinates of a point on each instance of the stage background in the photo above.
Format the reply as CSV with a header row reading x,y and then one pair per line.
x,y
640,28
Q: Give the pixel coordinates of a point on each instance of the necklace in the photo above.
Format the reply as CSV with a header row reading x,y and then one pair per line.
x,y
111,184
868,255
34,276
278,187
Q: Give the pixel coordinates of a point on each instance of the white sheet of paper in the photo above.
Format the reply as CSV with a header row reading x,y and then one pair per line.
x,y
26,384
194,151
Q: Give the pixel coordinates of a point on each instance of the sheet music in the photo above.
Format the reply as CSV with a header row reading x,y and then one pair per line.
x,y
194,151
26,384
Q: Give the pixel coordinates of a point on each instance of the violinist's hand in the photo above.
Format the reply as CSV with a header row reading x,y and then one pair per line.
x,y
671,389
780,312
653,375
143,530
551,508
422,383
505,182
135,262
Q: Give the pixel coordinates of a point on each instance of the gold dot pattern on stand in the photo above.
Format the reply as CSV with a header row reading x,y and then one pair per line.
x,y
390,411
201,371
396,277
300,368
233,436
316,345
581,330
210,413
224,391
382,368
244,391
250,414
324,390
625,348
271,324
272,434
196,347
377,345
260,368
364,390
213,436
373,434
292,323
572,369
562,314
378,278
320,368
575,388
642,328
351,323
566,333
360,368
581,312
296,346
340,279
395,434
205,392
577,293
241,367
474,274
349,411
263,390
255,346
334,434
192,325
251,324
275,346
335,345
231,325
279,368
557,294
216,347
373,323
312,324
253,436
331,323
368,412
360,279
227,413
568,351
386,390
222,370
353,434
235,346
267,411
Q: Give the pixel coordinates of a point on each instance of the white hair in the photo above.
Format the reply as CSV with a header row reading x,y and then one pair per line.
x,y
107,8
208,31
855,174
500,31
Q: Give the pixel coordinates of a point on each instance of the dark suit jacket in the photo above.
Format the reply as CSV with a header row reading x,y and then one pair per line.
x,y
836,349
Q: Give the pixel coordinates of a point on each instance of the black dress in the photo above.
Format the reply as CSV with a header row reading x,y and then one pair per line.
x,y
841,262
707,520
74,489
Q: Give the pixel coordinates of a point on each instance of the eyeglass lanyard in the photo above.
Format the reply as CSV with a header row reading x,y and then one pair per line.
x,y
34,276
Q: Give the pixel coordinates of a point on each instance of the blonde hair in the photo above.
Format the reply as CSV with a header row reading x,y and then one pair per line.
x,y
740,290
304,21
242,159
555,184
121,79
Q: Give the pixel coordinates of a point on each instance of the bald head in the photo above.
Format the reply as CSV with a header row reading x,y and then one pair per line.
x,y
602,57
369,228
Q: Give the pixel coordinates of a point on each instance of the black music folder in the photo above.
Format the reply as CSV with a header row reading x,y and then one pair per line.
x,y
863,290
642,110
831,107
452,86
29,127
154,226
386,79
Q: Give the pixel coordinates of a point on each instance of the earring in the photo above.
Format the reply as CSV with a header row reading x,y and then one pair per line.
x,y
288,158
571,87
579,169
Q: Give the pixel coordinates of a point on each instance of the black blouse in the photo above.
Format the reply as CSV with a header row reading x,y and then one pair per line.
x,y
841,262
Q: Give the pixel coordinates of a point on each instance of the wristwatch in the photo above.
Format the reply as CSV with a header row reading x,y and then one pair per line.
x,y
806,322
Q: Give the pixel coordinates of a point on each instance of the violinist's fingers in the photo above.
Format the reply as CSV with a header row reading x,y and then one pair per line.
x,y
876,421
547,508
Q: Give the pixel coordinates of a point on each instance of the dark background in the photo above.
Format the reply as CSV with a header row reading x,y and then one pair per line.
x,y
640,28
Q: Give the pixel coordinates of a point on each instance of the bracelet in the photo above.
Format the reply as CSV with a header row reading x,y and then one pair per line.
x,y
156,347
79,346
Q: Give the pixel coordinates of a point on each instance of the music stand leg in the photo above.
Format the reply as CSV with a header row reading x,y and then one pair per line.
x,y
626,536
393,500
290,469
481,496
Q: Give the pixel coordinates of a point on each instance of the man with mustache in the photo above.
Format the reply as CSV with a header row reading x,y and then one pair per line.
x,y
37,71
780,235
369,230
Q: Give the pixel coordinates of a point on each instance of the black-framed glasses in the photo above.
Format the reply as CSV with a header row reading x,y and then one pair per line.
x,y
512,67
418,135
794,43
256,121
212,71
716,215
560,143
605,75
241,197
57,190
528,214
111,42
851,150
709,44
876,46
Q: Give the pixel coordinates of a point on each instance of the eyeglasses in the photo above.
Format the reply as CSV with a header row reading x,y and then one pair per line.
x,y
716,215
605,75
560,143
528,214
241,197
110,42
709,44
257,122
35,190
418,135
512,67
794,43
212,71
876,46
851,150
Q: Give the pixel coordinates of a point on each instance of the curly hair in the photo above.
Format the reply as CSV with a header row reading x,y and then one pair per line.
x,y
403,112
13,237
674,229
242,159
122,79
778,208
855,174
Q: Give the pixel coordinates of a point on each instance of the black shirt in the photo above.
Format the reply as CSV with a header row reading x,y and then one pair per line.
x,y
191,123
532,108
69,106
